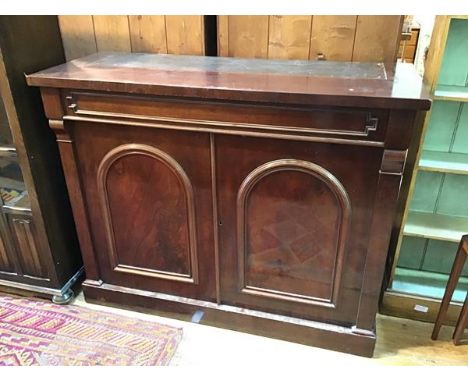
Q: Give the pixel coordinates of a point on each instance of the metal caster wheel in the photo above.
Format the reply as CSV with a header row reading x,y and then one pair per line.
x,y
64,299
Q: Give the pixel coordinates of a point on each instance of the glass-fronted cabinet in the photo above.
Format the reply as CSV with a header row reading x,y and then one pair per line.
x,y
39,250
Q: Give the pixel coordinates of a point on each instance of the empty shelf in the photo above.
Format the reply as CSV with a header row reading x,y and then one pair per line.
x,y
434,226
444,162
426,284
451,93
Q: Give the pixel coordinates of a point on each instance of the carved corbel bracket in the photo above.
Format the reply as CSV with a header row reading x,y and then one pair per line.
x,y
393,162
60,132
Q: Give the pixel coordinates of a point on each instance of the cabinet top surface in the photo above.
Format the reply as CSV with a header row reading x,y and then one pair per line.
x,y
353,84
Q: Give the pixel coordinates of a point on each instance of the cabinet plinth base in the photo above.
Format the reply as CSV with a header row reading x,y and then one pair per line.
x,y
61,296
323,335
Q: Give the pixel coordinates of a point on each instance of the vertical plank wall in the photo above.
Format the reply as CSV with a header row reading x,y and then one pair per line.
x,y
83,35
342,38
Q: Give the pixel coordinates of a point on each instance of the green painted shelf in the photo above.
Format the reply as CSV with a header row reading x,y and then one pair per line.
x,y
436,226
438,161
426,284
451,93
437,215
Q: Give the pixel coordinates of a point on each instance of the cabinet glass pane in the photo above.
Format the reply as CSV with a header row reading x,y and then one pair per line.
x,y
5,133
13,193
12,189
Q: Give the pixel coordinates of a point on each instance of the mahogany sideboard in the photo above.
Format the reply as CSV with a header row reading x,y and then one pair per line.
x,y
258,194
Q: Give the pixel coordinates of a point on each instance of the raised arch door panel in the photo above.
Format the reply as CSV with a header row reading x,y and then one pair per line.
x,y
149,201
294,221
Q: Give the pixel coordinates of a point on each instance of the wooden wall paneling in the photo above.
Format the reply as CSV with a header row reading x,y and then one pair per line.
x,y
77,36
289,37
185,35
340,38
377,38
332,37
148,34
248,36
112,33
223,36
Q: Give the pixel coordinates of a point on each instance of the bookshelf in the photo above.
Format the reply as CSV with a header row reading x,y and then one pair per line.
x,y
436,212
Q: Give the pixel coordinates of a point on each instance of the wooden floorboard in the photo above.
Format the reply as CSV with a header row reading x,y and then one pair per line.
x,y
407,342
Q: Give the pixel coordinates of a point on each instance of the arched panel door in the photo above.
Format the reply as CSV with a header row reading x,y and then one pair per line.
x,y
294,223
149,200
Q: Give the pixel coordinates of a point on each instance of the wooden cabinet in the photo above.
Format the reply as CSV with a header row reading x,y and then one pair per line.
x,y
408,46
39,250
259,193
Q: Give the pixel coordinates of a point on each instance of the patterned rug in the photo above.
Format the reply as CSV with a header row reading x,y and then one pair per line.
x,y
35,332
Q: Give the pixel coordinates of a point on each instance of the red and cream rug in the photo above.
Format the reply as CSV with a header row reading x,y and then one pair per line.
x,y
35,332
